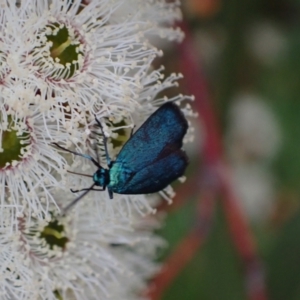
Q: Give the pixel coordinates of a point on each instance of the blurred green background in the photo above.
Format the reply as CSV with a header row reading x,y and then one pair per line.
x,y
249,52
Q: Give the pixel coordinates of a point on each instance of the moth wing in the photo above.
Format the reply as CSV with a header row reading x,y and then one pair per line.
x,y
155,176
166,126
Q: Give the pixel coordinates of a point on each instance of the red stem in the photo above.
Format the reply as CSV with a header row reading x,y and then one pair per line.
x,y
216,175
243,239
186,249
240,232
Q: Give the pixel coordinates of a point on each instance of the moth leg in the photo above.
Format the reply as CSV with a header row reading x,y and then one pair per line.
x,y
104,141
110,193
79,154
77,199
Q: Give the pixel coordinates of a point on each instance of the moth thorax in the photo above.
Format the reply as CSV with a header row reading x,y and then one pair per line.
x,y
101,177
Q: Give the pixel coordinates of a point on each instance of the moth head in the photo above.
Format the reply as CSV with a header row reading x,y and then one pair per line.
x,y
101,177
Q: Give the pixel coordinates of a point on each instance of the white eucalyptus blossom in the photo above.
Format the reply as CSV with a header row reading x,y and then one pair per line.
x,y
82,59
28,163
76,255
64,64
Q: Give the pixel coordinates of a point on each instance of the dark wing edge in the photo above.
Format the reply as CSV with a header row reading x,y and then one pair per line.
x,y
156,176
175,133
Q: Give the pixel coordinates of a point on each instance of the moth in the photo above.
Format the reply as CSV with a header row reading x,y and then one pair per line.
x,y
149,161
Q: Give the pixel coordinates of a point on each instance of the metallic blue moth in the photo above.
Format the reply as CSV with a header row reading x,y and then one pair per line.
x,y
148,162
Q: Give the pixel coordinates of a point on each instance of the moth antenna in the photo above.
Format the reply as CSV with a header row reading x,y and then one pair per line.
x,y
131,132
80,174
104,141
97,153
79,154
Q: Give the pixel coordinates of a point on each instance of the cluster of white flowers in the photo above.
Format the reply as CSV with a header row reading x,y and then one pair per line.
x,y
62,62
